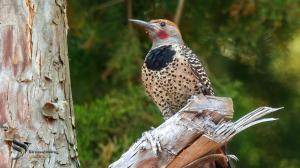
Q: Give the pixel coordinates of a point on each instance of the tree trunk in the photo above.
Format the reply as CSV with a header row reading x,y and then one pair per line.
x,y
35,92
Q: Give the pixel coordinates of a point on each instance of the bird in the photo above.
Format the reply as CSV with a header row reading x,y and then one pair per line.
x,y
172,72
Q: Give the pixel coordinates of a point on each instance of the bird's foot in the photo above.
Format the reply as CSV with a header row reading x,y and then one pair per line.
x,y
155,144
232,157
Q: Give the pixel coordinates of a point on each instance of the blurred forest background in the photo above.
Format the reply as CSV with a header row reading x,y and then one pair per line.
x,y
250,48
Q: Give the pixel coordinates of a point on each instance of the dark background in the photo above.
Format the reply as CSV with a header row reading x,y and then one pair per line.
x,y
250,48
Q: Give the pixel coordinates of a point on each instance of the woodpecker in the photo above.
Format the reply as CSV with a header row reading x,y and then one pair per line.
x,y
172,72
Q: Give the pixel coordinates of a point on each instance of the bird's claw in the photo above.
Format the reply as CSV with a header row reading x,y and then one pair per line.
x,y
232,157
155,144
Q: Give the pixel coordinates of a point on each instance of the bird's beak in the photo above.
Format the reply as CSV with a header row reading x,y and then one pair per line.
x,y
143,24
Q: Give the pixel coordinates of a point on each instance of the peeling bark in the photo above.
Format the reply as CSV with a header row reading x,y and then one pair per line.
x,y
35,91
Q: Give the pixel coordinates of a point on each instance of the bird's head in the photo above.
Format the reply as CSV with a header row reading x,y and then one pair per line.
x,y
160,31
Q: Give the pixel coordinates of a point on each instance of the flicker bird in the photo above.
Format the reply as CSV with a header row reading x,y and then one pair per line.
x,y
172,72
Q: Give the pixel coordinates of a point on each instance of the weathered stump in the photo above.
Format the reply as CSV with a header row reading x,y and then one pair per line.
x,y
202,126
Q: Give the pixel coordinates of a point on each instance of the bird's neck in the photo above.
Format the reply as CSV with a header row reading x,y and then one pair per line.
x,y
169,41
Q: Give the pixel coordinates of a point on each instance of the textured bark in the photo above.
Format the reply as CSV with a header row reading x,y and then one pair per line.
x,y
199,128
35,91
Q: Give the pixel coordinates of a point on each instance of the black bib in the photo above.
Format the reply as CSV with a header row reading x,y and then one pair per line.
x,y
159,58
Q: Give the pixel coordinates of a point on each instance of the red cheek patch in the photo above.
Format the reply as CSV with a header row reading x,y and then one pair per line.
x,y
162,35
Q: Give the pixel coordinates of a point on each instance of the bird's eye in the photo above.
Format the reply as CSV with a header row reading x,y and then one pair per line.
x,y
162,24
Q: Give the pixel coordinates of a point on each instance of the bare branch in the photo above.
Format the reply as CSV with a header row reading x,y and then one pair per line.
x,y
179,11
129,13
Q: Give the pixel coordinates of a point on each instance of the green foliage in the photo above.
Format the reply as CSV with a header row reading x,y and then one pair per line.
x,y
250,48
107,126
124,62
